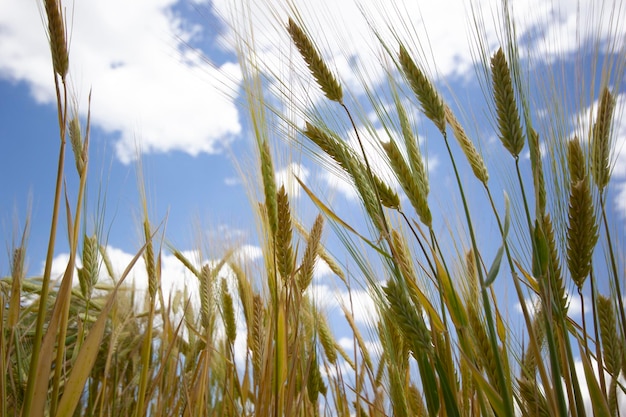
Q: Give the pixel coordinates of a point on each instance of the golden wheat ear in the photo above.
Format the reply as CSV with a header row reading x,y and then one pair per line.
x,y
320,71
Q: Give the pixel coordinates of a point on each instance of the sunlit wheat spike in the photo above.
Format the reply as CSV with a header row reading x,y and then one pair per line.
x,y
554,266
331,146
416,402
388,197
506,106
410,322
611,347
228,313
403,258
473,292
284,252
206,295
269,185
485,355
537,169
88,274
576,161
322,74
326,337
56,32
315,382
411,186
471,153
148,256
426,93
258,334
534,402
357,170
414,156
530,360
106,260
582,232
77,143
600,144
310,253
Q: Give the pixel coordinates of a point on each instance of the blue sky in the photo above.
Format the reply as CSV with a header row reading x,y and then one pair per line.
x,y
166,86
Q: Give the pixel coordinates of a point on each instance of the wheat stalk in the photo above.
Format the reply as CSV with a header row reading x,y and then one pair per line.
x,y
506,105
322,74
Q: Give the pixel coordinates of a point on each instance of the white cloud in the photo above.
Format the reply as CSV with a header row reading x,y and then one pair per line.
x,y
149,89
574,307
287,177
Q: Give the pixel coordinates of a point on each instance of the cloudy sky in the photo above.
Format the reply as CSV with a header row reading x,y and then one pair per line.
x,y
166,91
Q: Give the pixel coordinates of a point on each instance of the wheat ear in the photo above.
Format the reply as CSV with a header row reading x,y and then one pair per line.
x,y
600,139
467,146
56,32
506,105
582,233
322,74
426,93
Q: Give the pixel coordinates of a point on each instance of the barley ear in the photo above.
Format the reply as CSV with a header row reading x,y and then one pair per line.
x,y
506,106
600,140
533,401
426,93
310,254
56,33
476,161
537,169
88,274
284,251
413,188
206,296
611,347
582,232
320,71
269,185
228,313
576,161
414,156
148,257
77,144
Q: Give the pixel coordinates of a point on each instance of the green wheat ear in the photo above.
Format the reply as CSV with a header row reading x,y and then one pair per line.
x,y
600,140
322,74
506,106
424,90
582,233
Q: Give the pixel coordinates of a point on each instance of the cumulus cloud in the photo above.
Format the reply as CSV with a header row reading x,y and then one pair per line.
x,y
287,177
150,91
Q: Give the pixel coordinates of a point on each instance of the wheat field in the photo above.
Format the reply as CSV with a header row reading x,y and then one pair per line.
x,y
442,339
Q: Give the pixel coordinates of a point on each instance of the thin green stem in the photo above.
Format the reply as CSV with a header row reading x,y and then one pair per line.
x,y
507,395
45,284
